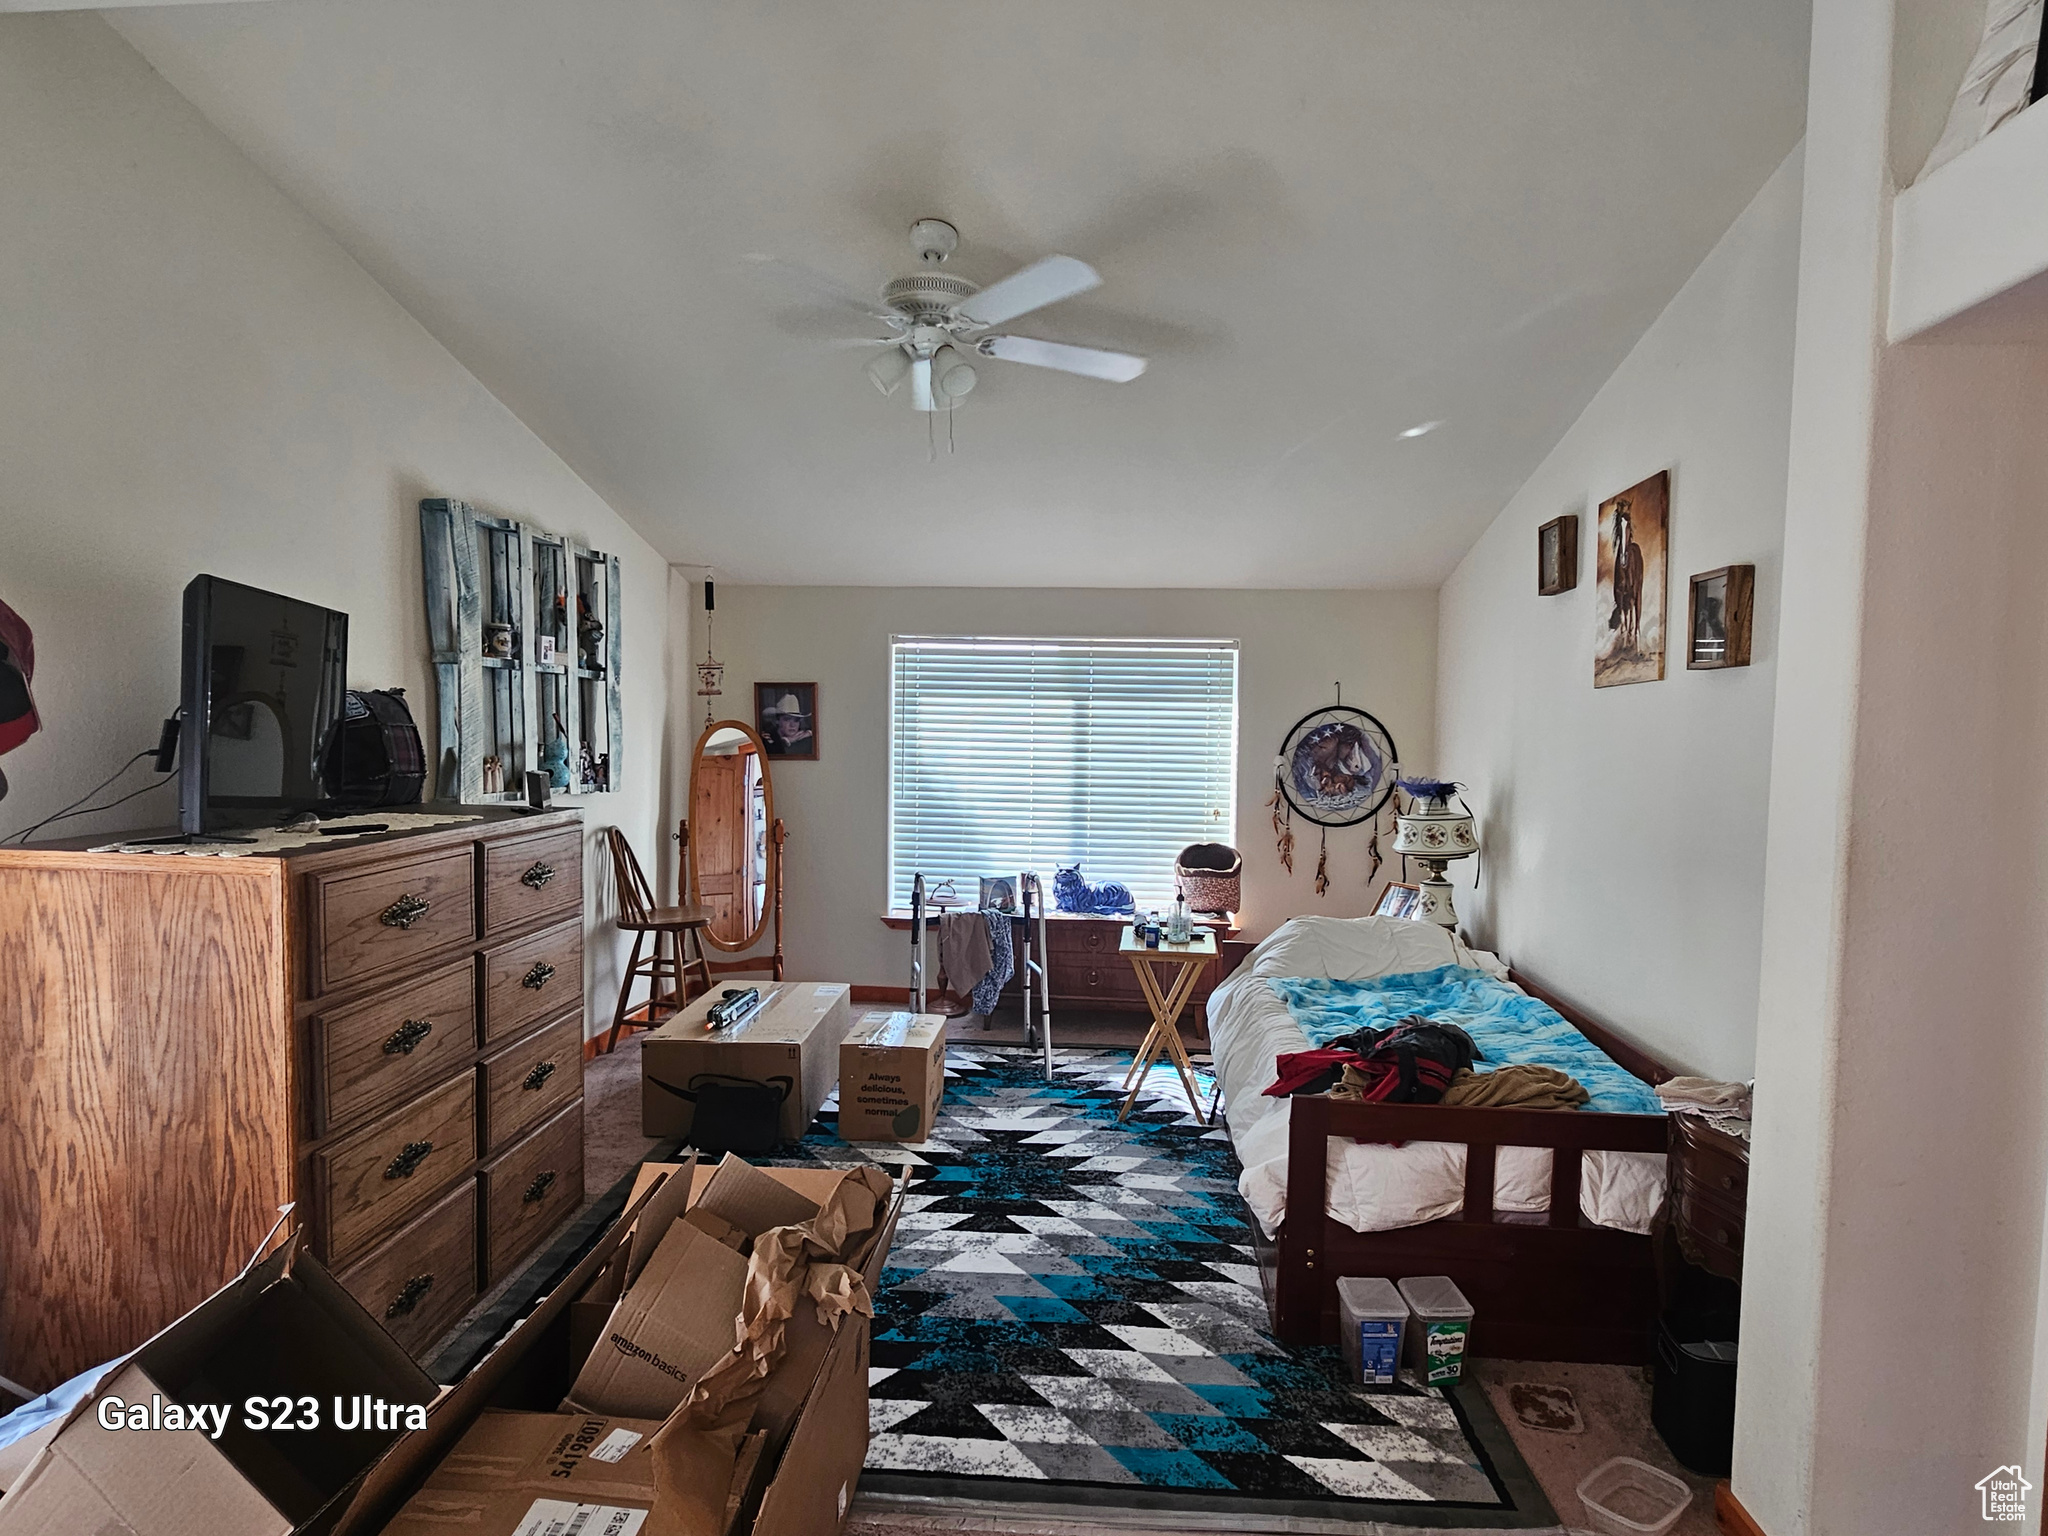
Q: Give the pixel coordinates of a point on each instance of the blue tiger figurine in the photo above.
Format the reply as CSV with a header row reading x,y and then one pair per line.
x,y
1070,893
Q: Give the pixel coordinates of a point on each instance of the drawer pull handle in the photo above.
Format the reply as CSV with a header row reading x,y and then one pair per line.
x,y
537,876
538,1189
540,1074
404,912
408,1161
541,974
408,1036
1727,1181
409,1295
1721,1236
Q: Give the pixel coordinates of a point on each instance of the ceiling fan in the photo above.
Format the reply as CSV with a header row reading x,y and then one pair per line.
x,y
937,322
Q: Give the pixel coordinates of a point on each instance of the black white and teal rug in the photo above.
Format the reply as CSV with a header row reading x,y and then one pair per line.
x,y
1071,1315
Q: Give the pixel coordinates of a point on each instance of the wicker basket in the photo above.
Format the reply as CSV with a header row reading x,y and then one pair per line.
x,y
1207,874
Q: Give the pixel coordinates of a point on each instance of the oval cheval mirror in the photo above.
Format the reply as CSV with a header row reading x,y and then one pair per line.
x,y
732,867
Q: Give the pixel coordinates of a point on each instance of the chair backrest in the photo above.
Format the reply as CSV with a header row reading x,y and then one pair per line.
x,y
636,899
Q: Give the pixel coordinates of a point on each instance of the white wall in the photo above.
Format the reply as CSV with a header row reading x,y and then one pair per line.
x,y
195,377
1623,828
1912,716
1295,647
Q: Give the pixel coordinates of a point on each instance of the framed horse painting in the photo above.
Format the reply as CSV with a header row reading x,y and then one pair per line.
x,y
1629,606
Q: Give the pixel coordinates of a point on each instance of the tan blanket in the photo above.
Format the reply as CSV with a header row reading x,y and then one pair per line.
x,y
1516,1086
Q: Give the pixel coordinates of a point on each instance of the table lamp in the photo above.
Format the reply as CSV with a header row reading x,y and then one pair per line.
x,y
1430,832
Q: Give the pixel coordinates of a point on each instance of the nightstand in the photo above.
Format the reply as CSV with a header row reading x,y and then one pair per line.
x,y
1709,1195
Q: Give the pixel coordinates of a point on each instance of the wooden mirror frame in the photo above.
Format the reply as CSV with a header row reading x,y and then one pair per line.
x,y
771,900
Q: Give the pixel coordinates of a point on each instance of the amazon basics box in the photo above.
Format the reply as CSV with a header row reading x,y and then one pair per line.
x,y
790,1044
892,1075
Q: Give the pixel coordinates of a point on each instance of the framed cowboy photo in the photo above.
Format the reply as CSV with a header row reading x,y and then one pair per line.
x,y
786,714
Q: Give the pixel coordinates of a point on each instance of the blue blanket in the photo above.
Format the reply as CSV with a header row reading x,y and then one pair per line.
x,y
1506,1025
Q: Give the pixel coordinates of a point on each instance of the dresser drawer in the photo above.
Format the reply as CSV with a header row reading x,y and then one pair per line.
x,y
532,979
527,1081
1111,979
1710,1230
424,1277
1084,938
529,1190
531,878
373,1180
381,1053
1717,1175
374,920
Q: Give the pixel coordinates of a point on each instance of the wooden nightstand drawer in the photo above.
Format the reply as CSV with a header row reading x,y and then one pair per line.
x,y
389,916
424,1276
526,1081
529,1190
532,979
372,1181
381,1053
531,878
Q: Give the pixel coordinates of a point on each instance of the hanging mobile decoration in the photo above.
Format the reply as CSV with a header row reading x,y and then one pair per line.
x,y
1283,819
710,671
1372,851
1323,865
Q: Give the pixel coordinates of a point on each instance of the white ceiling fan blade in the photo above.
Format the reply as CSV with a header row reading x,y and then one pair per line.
x,y
1042,283
921,384
796,279
1094,362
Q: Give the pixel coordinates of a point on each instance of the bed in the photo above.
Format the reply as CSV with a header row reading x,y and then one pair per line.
x,y
1551,1249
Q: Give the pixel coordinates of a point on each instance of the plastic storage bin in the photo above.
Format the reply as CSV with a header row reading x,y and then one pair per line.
x,y
1692,1396
1626,1497
1372,1316
1439,1328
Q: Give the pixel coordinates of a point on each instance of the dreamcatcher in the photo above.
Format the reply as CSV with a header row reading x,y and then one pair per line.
x,y
1336,768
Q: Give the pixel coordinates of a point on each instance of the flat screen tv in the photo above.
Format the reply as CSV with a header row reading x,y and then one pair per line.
x,y
262,699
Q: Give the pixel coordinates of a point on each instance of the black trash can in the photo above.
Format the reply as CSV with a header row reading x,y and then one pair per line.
x,y
1692,1396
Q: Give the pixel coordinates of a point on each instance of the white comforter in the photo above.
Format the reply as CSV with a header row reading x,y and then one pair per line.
x,y
1375,1188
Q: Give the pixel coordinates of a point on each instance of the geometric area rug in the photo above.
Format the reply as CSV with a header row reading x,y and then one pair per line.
x,y
1071,1316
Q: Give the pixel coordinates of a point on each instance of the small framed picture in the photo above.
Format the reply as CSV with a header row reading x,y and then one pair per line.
x,y
1718,634
786,714
998,893
1557,555
1399,900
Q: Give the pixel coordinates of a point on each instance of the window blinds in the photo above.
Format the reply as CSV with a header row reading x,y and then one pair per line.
x,y
1010,755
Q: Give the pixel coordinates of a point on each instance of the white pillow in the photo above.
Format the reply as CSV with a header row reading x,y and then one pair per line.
x,y
1355,948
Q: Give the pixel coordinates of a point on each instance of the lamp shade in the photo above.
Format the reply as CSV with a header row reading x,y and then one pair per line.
x,y
1432,830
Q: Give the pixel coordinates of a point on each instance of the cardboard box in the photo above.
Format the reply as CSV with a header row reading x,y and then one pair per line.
x,y
791,1041
802,1488
282,1329
892,1075
509,1462
678,1318
671,1326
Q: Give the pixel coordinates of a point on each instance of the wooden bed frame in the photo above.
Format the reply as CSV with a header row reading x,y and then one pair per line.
x,y
1543,1286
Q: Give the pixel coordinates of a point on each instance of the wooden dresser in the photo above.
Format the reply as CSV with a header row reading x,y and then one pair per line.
x,y
387,1030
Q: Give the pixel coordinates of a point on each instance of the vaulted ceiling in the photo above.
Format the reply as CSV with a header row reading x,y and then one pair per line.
x,y
1325,221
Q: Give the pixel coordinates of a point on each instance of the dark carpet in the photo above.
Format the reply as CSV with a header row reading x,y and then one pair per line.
x,y
1071,1315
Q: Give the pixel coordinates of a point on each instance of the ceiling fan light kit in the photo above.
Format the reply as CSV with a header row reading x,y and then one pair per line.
x,y
937,322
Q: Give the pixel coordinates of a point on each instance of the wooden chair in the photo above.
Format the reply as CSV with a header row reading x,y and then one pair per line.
x,y
673,928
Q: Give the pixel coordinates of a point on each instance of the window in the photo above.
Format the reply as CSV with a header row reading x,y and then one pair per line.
x,y
1013,755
